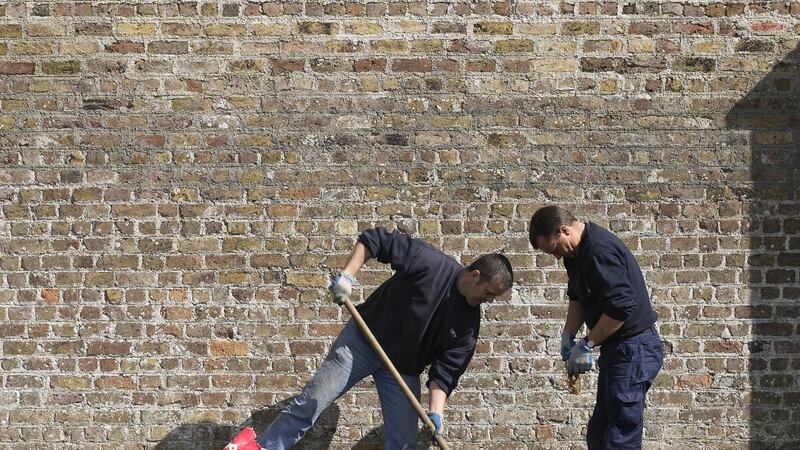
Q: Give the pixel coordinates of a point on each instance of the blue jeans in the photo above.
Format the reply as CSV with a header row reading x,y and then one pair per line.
x,y
350,359
626,372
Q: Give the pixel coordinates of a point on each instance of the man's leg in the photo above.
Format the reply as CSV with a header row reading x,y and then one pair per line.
x,y
629,376
596,429
350,360
400,419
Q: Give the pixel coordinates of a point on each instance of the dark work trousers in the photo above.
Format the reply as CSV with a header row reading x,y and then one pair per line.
x,y
626,371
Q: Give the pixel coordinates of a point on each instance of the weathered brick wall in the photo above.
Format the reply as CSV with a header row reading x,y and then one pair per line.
x,y
177,180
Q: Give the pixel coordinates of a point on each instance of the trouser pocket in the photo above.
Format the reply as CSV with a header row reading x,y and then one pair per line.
x,y
628,407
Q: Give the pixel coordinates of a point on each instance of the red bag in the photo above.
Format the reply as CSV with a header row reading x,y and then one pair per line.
x,y
246,440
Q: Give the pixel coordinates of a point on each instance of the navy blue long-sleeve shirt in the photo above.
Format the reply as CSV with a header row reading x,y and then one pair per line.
x,y
605,278
418,315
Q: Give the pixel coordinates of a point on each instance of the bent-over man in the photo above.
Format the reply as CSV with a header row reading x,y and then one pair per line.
x,y
607,292
428,312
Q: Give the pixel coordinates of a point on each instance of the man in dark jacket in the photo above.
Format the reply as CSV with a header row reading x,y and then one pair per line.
x,y
426,313
606,291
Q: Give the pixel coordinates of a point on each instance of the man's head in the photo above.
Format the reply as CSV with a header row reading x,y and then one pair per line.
x,y
555,230
486,278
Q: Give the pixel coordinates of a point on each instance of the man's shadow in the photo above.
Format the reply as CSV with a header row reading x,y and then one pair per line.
x,y
213,436
771,113
374,440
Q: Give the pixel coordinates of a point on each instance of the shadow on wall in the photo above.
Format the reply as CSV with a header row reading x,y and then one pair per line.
x,y
771,111
374,440
213,436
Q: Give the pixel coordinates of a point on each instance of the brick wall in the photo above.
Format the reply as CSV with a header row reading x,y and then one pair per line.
x,y
177,181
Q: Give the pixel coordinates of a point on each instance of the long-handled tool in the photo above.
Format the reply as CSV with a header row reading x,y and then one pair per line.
x,y
388,363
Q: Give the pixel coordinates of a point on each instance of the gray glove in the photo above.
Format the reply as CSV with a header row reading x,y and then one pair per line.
x,y
580,358
567,341
438,422
342,287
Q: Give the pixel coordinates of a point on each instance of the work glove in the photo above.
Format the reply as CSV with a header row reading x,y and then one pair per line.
x,y
580,359
567,341
341,287
436,418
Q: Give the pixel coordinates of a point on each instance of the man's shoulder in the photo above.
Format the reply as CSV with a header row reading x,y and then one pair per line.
x,y
603,241
433,256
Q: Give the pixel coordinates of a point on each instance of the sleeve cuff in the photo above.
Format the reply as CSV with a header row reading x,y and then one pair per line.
x,y
370,243
446,387
618,314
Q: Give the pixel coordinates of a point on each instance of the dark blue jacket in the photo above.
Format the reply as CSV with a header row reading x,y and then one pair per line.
x,y
418,315
606,279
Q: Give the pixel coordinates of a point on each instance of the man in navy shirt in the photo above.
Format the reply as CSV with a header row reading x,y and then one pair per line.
x,y
606,291
427,313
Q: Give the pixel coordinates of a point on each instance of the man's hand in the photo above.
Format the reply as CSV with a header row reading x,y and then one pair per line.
x,y
436,418
567,342
580,359
342,287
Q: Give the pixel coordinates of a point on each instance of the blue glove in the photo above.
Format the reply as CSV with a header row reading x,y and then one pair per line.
x,y
567,341
580,358
436,418
342,287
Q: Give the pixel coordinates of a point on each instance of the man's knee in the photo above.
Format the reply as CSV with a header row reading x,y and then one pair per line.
x,y
401,431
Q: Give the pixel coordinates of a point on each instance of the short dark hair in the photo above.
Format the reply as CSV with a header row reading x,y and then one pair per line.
x,y
491,266
546,221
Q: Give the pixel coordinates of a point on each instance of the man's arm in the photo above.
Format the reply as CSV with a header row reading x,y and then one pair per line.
x,y
574,318
603,329
398,249
358,257
342,286
580,355
612,280
436,398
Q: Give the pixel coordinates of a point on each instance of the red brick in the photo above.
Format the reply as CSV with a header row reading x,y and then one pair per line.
x,y
17,68
412,65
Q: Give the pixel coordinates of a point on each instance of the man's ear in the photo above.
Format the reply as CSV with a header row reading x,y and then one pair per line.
x,y
475,274
564,230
